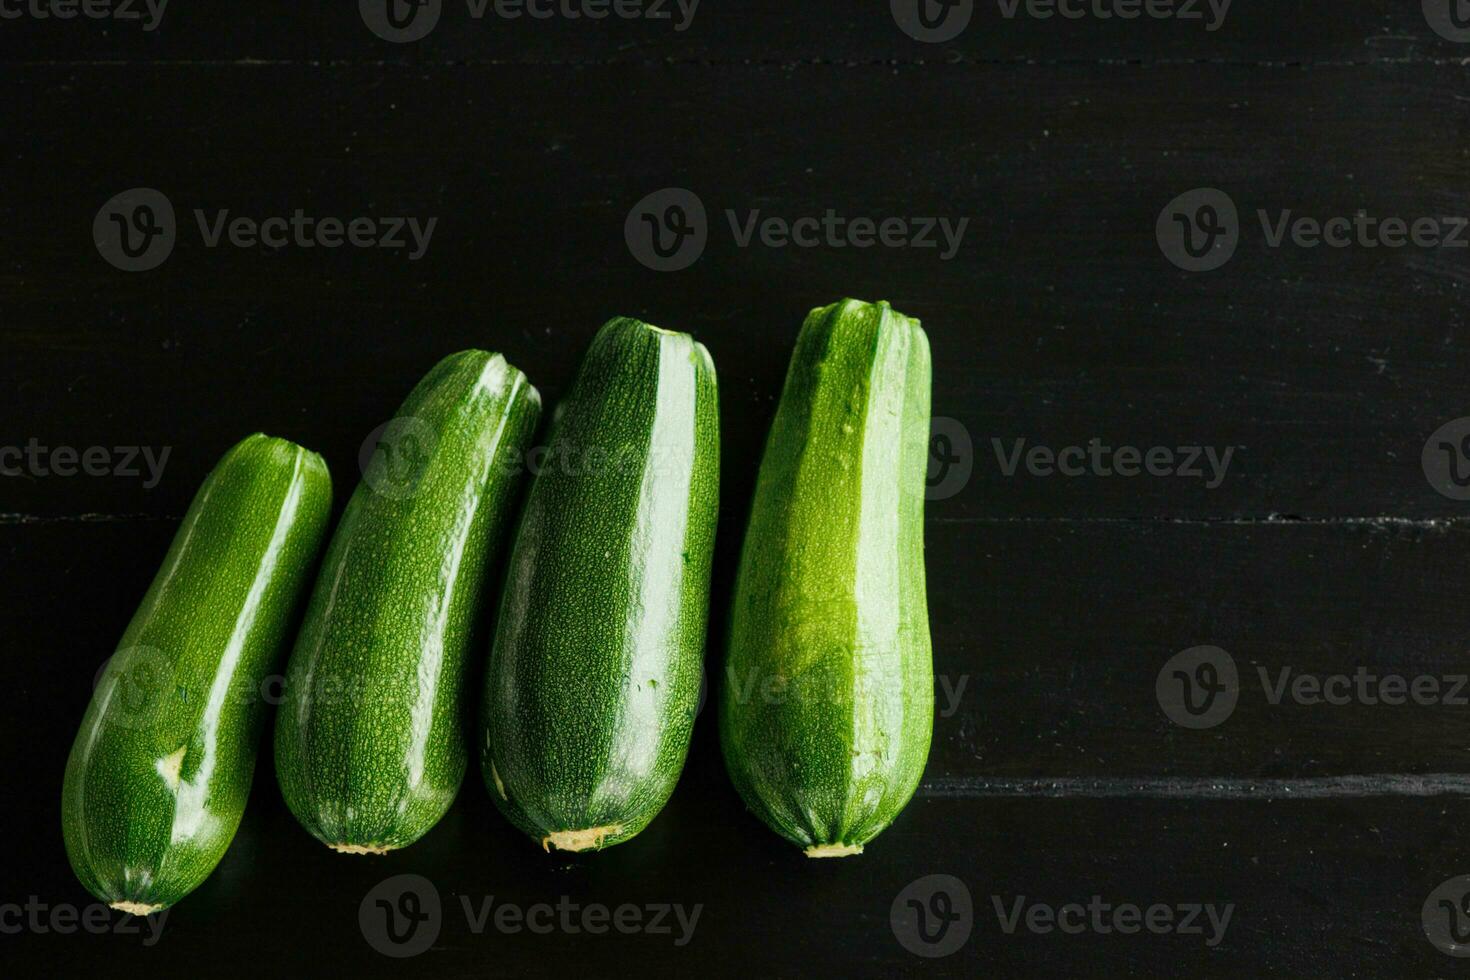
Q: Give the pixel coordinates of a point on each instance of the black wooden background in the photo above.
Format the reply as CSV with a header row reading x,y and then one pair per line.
x,y
1055,600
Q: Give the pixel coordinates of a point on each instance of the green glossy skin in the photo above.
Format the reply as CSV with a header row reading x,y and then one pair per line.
x,y
370,739
158,775
594,673
827,701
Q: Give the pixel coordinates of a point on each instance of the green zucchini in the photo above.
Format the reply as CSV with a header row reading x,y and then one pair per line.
x,y
370,737
593,679
158,775
828,698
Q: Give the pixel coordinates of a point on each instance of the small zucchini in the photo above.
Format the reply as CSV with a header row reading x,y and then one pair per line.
x,y
594,673
828,696
370,737
158,775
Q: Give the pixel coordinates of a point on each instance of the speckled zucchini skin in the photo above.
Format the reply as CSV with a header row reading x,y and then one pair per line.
x,y
370,738
827,699
594,672
158,775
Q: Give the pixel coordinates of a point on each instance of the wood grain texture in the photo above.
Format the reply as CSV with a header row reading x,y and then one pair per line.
x,y
1057,321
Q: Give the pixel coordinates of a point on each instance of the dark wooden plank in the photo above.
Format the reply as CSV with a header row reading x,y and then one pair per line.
x,y
1058,320
1286,32
1049,642
1063,630
1312,889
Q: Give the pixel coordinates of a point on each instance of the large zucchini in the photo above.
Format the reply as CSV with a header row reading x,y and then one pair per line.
x,y
827,700
594,673
370,736
158,775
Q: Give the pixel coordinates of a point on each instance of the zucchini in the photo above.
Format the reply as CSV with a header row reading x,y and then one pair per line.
x,y
593,679
828,698
370,736
158,775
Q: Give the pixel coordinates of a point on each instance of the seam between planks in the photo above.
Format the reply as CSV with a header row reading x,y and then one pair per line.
x,y
1177,788
785,63
1270,520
